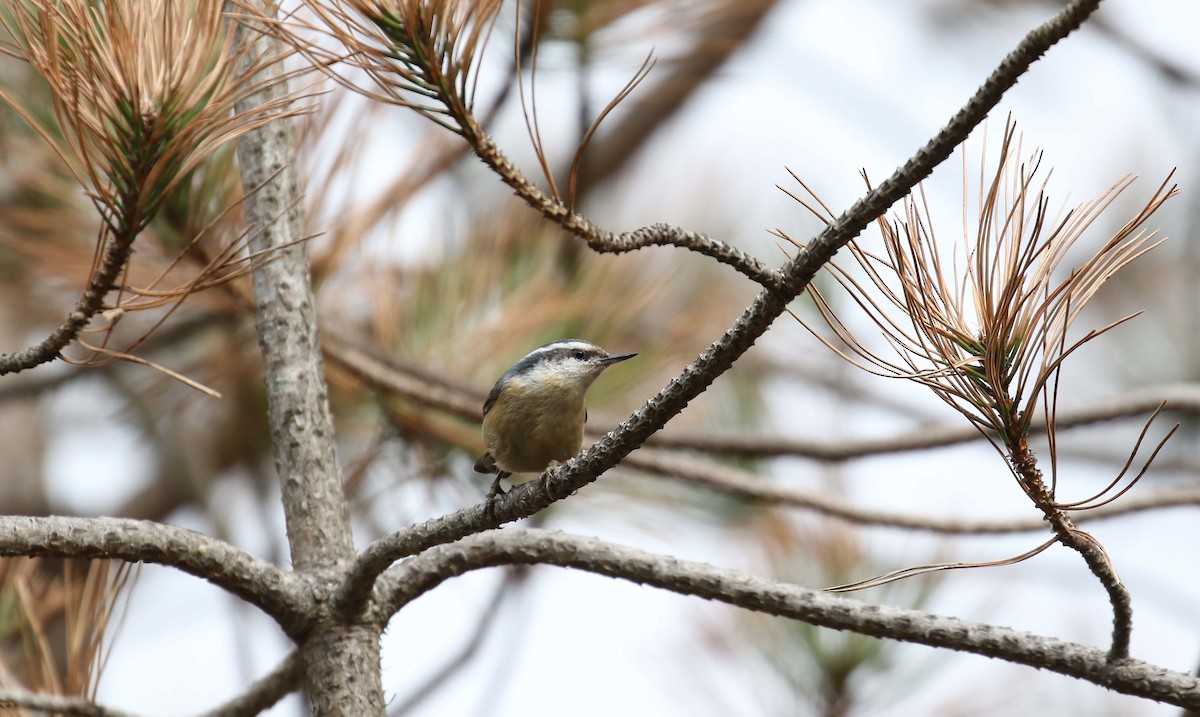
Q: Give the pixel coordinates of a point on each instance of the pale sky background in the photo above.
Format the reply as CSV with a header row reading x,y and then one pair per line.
x,y
826,87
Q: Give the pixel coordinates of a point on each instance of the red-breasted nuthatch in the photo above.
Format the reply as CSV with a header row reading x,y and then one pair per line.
x,y
534,415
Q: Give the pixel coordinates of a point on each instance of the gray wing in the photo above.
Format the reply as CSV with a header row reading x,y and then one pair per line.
x,y
491,399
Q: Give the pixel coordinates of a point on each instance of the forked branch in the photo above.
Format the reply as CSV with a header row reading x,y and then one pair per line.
x,y
989,336
527,499
422,573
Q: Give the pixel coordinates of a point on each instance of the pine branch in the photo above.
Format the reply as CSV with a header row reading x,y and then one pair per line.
x,y
720,356
276,592
516,546
130,120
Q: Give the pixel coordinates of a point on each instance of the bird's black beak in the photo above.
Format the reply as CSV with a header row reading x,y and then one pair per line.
x,y
616,359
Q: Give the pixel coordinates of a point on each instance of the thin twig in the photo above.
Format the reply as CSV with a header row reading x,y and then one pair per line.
x,y
1024,467
606,242
88,305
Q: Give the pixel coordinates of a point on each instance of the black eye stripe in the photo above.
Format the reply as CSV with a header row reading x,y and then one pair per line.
x,y
549,354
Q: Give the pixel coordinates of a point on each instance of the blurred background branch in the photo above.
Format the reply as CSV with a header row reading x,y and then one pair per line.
x,y
438,279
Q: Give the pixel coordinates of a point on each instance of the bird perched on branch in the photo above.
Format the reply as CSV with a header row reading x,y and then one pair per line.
x,y
534,415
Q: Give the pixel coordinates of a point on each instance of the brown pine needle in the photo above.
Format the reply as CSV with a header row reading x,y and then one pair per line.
x,y
989,337
114,355
1091,502
905,573
824,215
529,110
642,73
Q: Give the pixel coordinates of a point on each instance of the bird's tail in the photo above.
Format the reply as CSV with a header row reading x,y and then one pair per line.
x,y
486,464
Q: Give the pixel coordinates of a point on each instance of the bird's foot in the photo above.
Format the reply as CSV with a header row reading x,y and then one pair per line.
x,y
545,482
493,494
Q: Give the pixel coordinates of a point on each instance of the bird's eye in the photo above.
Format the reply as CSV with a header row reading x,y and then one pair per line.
x,y
579,354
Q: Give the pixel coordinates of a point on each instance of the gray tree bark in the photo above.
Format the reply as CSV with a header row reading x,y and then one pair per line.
x,y
341,662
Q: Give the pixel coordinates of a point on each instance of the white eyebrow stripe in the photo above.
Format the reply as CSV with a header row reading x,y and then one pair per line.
x,y
564,344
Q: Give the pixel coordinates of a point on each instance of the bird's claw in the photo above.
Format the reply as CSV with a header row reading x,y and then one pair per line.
x,y
545,482
492,495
